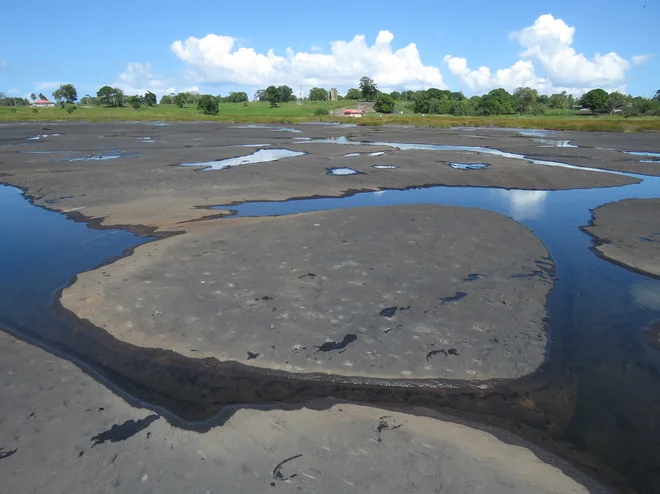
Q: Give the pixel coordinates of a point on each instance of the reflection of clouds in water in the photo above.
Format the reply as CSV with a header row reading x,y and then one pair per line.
x,y
647,295
524,204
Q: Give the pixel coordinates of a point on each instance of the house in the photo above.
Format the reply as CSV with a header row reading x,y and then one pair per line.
x,y
43,103
354,113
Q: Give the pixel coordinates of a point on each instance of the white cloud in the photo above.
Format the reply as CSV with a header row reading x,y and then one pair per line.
x,y
316,48
524,204
547,46
138,79
216,60
49,85
640,60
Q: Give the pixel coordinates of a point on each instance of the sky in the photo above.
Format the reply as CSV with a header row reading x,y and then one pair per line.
x,y
218,47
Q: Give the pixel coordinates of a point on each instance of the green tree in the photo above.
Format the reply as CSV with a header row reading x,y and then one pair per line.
x,y
559,100
134,101
66,93
353,93
88,100
33,97
149,99
462,108
236,97
396,95
110,96
318,94
42,96
384,103
208,104
524,99
457,96
167,99
503,98
657,96
408,96
616,101
180,100
368,88
260,95
286,94
595,100
273,96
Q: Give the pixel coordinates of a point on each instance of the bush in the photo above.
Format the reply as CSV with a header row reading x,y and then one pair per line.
x,y
208,105
136,103
321,111
34,110
384,103
70,107
245,104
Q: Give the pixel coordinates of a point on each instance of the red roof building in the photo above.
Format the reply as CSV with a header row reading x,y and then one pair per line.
x,y
353,113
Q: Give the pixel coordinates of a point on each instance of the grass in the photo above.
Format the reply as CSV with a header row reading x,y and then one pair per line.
x,y
294,113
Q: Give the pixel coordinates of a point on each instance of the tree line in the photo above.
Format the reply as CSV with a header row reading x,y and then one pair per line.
x,y
523,100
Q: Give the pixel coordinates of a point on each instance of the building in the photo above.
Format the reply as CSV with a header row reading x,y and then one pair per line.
x,y
354,113
333,94
43,103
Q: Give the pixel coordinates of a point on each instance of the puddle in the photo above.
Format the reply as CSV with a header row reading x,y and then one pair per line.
x,y
555,143
404,146
146,139
261,156
251,145
42,136
110,155
342,171
384,167
469,166
266,127
375,153
522,132
649,161
642,153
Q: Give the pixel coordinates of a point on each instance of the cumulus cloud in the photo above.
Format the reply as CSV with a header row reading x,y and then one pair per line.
x,y
640,60
138,79
316,48
215,59
547,46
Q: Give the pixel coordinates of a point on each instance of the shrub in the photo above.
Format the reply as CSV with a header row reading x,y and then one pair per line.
x,y
136,103
70,107
34,110
208,105
321,111
384,103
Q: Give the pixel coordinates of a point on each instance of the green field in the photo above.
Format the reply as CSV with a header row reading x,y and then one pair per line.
x,y
293,113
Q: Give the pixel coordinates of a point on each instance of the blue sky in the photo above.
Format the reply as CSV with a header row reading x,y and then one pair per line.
x,y
224,46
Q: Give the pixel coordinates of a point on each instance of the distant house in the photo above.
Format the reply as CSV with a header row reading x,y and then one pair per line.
x,y
354,113
43,103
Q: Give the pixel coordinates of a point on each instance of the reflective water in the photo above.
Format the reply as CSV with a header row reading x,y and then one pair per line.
x,y
260,156
642,153
384,167
406,146
555,143
342,171
266,127
469,166
110,155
